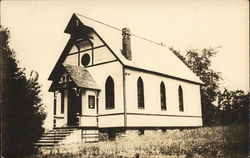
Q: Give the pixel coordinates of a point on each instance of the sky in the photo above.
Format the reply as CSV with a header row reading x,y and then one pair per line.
x,y
37,31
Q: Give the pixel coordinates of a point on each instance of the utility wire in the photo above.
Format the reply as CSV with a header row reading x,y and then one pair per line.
x,y
113,27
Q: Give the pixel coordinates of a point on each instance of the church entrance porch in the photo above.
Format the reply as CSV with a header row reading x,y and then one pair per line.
x,y
76,98
74,107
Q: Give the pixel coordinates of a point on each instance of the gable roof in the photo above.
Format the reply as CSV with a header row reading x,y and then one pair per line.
x,y
81,77
145,55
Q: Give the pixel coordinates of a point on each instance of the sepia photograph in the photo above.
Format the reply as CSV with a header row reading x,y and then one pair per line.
x,y
124,79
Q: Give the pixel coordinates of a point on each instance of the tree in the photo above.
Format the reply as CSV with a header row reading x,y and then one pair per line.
x,y
22,109
199,61
233,106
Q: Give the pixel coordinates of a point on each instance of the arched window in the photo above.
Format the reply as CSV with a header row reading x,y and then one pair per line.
x,y
163,96
140,93
180,95
110,93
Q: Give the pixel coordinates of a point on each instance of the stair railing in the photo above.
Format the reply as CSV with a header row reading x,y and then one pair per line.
x,y
66,130
54,136
58,132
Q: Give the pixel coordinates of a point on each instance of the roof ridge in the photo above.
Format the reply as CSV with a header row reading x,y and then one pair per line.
x,y
116,28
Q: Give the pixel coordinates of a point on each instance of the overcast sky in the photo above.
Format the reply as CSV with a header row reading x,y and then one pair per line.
x,y
37,31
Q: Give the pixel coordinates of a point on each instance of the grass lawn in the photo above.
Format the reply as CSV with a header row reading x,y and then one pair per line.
x,y
218,141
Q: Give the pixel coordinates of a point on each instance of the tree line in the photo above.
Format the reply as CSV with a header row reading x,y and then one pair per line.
x,y
219,107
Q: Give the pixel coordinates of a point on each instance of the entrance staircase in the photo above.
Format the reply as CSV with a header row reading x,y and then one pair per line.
x,y
53,137
59,136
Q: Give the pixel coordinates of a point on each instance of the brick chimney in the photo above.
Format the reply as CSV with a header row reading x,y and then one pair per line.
x,y
126,44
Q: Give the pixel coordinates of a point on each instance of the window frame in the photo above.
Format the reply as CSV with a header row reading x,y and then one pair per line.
x,y
140,94
85,59
163,98
109,96
180,99
93,98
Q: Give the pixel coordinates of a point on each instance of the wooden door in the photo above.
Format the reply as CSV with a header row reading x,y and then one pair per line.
x,y
74,107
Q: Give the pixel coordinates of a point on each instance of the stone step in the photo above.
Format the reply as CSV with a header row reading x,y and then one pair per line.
x,y
63,129
58,133
52,138
94,141
57,136
44,142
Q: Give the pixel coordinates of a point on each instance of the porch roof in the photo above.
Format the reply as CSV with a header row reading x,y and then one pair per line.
x,y
81,77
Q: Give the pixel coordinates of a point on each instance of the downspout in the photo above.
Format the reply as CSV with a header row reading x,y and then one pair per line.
x,y
126,52
202,108
97,108
124,97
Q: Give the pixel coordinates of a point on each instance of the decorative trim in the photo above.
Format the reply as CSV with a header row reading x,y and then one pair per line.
x,y
59,62
101,115
107,46
58,117
160,127
92,53
111,114
117,127
78,56
149,127
87,50
102,63
149,115
78,127
161,74
163,115
88,115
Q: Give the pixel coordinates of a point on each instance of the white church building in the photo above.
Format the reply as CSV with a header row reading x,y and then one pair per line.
x,y
109,80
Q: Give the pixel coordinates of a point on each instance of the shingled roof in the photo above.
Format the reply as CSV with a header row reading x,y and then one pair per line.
x,y
81,77
145,55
